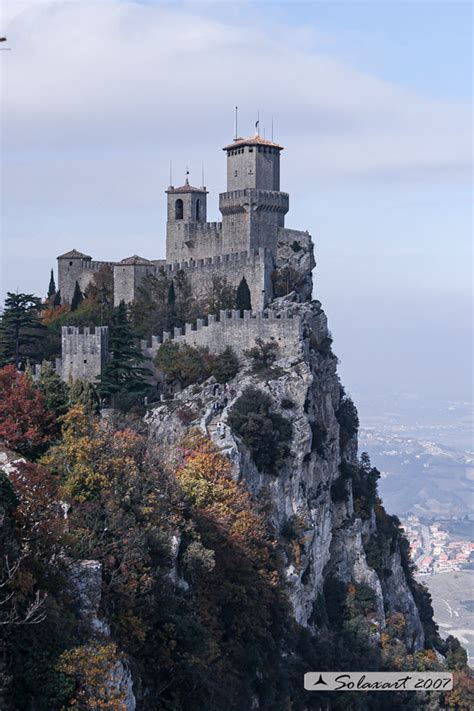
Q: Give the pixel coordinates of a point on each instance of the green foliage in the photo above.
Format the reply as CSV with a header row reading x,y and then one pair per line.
x,y
262,357
182,363
21,330
319,438
218,295
77,297
339,489
456,656
85,394
52,286
267,434
225,365
364,487
123,372
242,298
348,419
55,392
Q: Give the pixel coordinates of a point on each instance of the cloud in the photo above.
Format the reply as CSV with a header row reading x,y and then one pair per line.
x,y
125,76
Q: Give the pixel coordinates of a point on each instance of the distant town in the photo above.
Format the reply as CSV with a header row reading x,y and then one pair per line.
x,y
434,550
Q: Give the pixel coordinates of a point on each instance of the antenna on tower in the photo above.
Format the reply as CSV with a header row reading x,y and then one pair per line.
x,y
187,175
257,124
236,119
272,128
202,175
171,172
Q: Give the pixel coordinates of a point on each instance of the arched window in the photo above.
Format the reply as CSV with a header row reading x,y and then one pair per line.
x,y
178,209
198,210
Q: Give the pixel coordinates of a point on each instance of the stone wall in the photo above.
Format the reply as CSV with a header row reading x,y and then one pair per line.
x,y
235,330
84,353
192,240
80,270
256,267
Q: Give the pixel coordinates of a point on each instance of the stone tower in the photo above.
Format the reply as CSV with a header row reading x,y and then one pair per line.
x,y
187,212
70,270
253,208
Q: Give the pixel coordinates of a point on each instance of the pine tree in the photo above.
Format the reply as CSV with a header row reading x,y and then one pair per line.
x,y
77,298
124,372
52,286
242,299
20,328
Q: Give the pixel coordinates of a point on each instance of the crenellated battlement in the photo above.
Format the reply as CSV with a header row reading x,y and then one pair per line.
x,y
233,328
84,352
95,266
233,258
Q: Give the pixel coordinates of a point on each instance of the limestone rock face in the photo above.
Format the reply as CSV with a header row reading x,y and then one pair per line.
x,y
86,580
330,538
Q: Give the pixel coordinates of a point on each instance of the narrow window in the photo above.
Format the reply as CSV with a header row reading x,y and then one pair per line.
x,y
250,150
198,210
178,209
236,172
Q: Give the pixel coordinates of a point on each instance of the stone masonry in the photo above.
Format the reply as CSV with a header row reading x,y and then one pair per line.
x,y
251,241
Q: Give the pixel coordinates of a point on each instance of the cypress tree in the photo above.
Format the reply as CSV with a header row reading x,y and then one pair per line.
x,y
242,298
77,298
52,286
124,372
57,299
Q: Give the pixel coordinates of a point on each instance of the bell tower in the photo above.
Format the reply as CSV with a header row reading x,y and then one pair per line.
x,y
253,208
187,206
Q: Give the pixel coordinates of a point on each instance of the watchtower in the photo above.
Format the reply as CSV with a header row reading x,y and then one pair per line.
x,y
253,208
187,206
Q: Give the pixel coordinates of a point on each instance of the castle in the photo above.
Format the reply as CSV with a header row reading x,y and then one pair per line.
x,y
251,241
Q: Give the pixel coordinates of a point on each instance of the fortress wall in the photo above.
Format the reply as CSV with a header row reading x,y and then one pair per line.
x,y
193,240
232,329
127,279
80,270
83,352
256,267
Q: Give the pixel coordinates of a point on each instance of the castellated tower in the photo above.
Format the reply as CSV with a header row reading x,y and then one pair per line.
x,y
253,208
188,234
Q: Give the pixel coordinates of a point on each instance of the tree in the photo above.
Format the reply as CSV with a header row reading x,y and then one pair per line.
x,y
242,298
124,371
183,363
149,311
218,294
262,355
21,328
225,366
77,297
83,393
25,422
266,434
55,392
52,286
57,299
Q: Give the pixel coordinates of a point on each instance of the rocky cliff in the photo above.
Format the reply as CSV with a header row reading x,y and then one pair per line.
x,y
325,527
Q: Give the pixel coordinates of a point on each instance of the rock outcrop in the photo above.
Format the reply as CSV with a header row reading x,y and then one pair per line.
x,y
327,537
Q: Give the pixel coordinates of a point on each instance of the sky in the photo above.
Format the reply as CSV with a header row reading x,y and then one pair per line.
x,y
372,102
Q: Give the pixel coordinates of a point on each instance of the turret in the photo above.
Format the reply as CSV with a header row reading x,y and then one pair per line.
x,y
253,208
187,206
